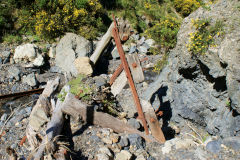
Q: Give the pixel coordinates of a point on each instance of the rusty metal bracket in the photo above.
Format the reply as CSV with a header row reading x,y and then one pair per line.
x,y
129,76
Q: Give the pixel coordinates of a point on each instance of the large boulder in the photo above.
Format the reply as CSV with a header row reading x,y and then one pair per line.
x,y
70,47
203,89
28,53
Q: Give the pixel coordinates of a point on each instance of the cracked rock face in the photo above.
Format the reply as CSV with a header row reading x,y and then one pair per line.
x,y
205,89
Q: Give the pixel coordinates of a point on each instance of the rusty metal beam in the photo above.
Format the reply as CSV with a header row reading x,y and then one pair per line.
x,y
116,74
129,76
20,94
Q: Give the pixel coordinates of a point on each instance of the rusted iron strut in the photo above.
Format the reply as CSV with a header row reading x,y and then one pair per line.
x,y
21,94
129,76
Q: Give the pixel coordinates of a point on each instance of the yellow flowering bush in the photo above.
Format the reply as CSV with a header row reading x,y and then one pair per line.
x,y
69,15
164,32
185,7
51,18
203,37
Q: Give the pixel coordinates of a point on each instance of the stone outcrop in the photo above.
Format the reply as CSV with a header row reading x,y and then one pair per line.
x,y
204,89
70,47
28,53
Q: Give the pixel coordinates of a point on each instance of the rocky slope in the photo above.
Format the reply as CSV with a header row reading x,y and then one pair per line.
x,y
199,95
205,89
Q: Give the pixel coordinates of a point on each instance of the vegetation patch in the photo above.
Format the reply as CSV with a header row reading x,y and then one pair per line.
x,y
203,37
160,64
185,7
80,89
164,32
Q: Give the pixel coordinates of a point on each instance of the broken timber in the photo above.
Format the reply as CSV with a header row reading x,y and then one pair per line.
x,y
152,121
76,108
135,67
129,77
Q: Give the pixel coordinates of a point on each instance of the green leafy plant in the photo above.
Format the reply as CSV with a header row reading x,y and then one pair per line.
x,y
79,88
228,103
203,37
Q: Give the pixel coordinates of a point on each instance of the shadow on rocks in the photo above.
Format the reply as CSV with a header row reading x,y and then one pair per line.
x,y
165,107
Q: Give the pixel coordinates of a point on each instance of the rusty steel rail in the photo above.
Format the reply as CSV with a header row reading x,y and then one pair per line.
x,y
129,76
20,94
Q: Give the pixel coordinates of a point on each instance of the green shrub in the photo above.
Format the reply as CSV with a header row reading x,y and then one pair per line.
x,y
10,39
164,32
203,37
185,7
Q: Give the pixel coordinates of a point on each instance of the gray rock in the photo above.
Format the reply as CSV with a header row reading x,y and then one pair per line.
x,y
52,52
95,139
141,41
4,117
123,155
146,45
26,52
14,146
233,143
6,54
140,157
150,42
136,140
123,141
28,110
132,49
6,60
134,123
105,150
30,80
102,156
39,61
48,46
213,146
197,88
0,60
55,69
100,81
70,47
14,88
21,112
14,72
201,154
115,53
142,50
135,37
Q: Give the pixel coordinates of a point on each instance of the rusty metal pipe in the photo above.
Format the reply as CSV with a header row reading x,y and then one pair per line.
x,y
129,77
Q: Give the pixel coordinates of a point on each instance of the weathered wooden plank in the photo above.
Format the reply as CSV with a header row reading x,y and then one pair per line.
x,y
152,121
119,84
76,108
135,67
